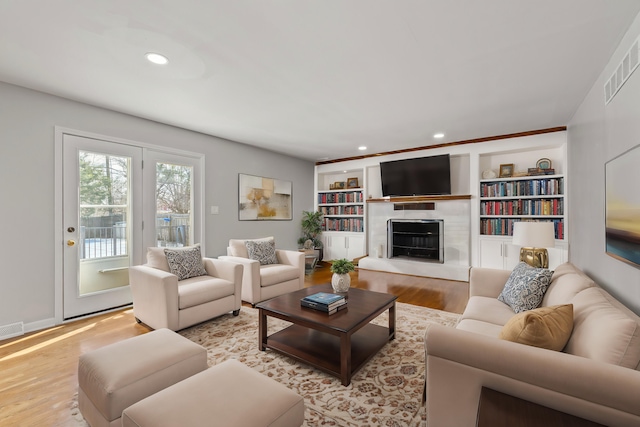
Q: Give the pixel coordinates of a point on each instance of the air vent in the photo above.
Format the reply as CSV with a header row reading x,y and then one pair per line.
x,y
11,330
623,71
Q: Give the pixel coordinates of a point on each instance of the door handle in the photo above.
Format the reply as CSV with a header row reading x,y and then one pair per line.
x,y
71,242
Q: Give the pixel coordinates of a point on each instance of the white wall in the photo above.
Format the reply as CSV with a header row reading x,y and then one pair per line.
x,y
596,134
27,121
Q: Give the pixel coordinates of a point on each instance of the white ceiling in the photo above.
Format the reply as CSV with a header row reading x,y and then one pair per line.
x,y
316,79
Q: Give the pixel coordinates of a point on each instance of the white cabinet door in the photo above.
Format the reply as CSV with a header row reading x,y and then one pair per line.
x,y
500,254
335,247
511,255
491,254
341,245
355,247
557,256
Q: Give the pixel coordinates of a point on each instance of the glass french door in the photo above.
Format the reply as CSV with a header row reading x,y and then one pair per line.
x,y
113,209
102,184
175,183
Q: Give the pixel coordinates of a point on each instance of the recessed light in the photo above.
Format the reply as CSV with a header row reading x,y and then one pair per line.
x,y
362,148
438,135
156,58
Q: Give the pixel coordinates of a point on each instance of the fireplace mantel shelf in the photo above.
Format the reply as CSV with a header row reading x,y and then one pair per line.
x,y
406,199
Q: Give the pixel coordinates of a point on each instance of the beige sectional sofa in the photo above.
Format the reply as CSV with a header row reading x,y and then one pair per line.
x,y
596,376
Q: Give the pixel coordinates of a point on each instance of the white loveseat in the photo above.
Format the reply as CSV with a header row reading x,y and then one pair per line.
x,y
596,376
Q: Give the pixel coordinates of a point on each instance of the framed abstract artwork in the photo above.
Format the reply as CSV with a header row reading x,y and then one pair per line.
x,y
622,207
264,199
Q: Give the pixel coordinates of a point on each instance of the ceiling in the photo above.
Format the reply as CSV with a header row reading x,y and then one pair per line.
x,y
316,79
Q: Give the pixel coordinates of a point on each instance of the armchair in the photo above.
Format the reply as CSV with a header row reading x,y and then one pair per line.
x,y
160,300
264,281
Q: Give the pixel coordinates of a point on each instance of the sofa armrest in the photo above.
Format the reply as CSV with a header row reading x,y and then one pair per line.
x,y
487,282
459,363
227,270
223,269
155,296
294,258
250,275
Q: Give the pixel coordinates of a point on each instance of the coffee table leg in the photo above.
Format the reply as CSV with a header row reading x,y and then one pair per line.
x,y
262,330
392,322
345,359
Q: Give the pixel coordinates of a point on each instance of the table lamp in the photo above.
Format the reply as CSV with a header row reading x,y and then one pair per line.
x,y
534,237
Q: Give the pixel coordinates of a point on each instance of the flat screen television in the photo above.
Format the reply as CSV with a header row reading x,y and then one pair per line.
x,y
423,176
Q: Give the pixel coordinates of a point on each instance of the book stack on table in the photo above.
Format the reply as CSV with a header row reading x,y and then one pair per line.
x,y
325,302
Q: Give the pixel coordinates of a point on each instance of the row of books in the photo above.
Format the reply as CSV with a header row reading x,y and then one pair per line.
x,y
350,197
342,210
523,207
504,227
343,224
325,302
530,187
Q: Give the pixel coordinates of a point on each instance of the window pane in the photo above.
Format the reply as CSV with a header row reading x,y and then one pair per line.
x,y
173,205
104,189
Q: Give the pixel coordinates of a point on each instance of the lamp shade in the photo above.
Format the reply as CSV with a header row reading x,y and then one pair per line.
x,y
534,234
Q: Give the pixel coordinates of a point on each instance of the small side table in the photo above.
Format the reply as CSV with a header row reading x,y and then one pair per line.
x,y
310,262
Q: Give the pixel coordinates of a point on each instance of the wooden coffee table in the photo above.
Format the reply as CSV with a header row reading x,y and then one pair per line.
x,y
338,344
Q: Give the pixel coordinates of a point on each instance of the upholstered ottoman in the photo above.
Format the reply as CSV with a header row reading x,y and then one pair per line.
x,y
229,394
114,377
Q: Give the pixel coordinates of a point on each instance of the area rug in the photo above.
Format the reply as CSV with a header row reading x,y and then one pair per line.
x,y
387,391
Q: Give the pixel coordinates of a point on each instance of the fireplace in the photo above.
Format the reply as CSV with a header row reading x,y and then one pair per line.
x,y
416,239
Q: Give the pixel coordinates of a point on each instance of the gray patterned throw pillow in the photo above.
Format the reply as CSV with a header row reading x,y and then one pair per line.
x,y
525,287
185,262
263,252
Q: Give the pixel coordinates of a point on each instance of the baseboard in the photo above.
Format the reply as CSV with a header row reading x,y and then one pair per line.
x,y
39,325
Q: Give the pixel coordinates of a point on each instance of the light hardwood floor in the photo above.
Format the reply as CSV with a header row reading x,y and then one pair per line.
x,y
38,371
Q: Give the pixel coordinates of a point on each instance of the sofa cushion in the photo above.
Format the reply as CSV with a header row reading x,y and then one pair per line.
x,y
479,327
157,259
238,248
525,287
199,290
544,327
263,252
602,331
185,262
272,274
487,309
566,282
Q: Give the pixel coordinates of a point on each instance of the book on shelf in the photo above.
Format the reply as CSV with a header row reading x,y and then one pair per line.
x,y
334,308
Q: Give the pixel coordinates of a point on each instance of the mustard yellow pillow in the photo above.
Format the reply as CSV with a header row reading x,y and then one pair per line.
x,y
545,327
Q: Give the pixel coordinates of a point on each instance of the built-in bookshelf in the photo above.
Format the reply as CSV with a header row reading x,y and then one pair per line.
x,y
504,201
340,196
343,210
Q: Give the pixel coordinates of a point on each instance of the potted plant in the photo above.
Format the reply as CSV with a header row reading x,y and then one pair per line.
x,y
311,230
340,280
